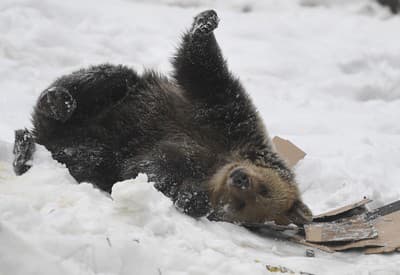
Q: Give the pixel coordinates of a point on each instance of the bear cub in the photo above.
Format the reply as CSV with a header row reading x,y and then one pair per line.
x,y
197,134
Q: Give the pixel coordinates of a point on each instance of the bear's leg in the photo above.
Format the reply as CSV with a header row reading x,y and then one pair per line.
x,y
87,160
204,75
24,147
73,102
199,66
86,93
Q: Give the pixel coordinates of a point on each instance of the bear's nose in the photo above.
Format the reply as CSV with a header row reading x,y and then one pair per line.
x,y
239,179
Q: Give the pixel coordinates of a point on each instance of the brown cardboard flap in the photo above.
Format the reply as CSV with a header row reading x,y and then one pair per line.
x,y
376,231
342,210
347,229
388,228
353,226
288,151
379,250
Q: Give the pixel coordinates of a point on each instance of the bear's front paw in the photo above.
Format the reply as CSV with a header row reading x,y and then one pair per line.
x,y
204,23
195,204
57,103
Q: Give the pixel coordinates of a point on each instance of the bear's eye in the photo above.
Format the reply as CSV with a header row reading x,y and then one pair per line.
x,y
263,190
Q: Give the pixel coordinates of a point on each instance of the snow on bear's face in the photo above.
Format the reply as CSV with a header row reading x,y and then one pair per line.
x,y
246,193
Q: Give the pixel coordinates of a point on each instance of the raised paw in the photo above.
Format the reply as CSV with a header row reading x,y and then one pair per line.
x,y
204,23
57,103
24,147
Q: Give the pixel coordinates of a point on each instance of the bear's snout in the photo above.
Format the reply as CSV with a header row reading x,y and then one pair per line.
x,y
239,179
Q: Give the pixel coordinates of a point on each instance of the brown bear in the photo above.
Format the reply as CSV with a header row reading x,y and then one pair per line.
x,y
197,135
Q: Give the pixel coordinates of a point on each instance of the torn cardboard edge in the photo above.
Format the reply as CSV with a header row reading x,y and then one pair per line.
x,y
343,210
387,240
349,227
375,231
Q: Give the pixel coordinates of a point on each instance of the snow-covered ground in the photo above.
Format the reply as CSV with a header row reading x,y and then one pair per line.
x,y
324,74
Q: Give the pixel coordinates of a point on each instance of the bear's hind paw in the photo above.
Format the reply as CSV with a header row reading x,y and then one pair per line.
x,y
57,103
24,147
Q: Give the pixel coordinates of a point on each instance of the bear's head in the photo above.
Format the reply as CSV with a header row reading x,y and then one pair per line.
x,y
246,193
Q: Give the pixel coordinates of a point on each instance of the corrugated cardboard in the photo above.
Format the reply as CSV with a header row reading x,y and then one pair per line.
x,y
347,229
388,239
376,231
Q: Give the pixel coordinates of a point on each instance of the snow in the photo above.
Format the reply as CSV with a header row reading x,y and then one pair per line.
x,y
324,74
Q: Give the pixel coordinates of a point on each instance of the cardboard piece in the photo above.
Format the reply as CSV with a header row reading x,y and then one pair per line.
x,y
343,210
288,151
387,240
347,227
384,210
375,231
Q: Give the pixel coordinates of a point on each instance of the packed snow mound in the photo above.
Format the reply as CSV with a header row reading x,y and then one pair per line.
x,y
58,226
144,204
74,228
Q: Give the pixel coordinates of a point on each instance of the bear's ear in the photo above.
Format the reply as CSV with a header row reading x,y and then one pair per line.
x,y
300,213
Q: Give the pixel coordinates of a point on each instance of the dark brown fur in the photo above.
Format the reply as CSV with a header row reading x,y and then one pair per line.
x,y
189,134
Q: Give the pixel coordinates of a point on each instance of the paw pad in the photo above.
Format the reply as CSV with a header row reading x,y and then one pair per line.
x,y
57,103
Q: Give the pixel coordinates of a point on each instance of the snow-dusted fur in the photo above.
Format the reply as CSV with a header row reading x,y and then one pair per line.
x,y
107,124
